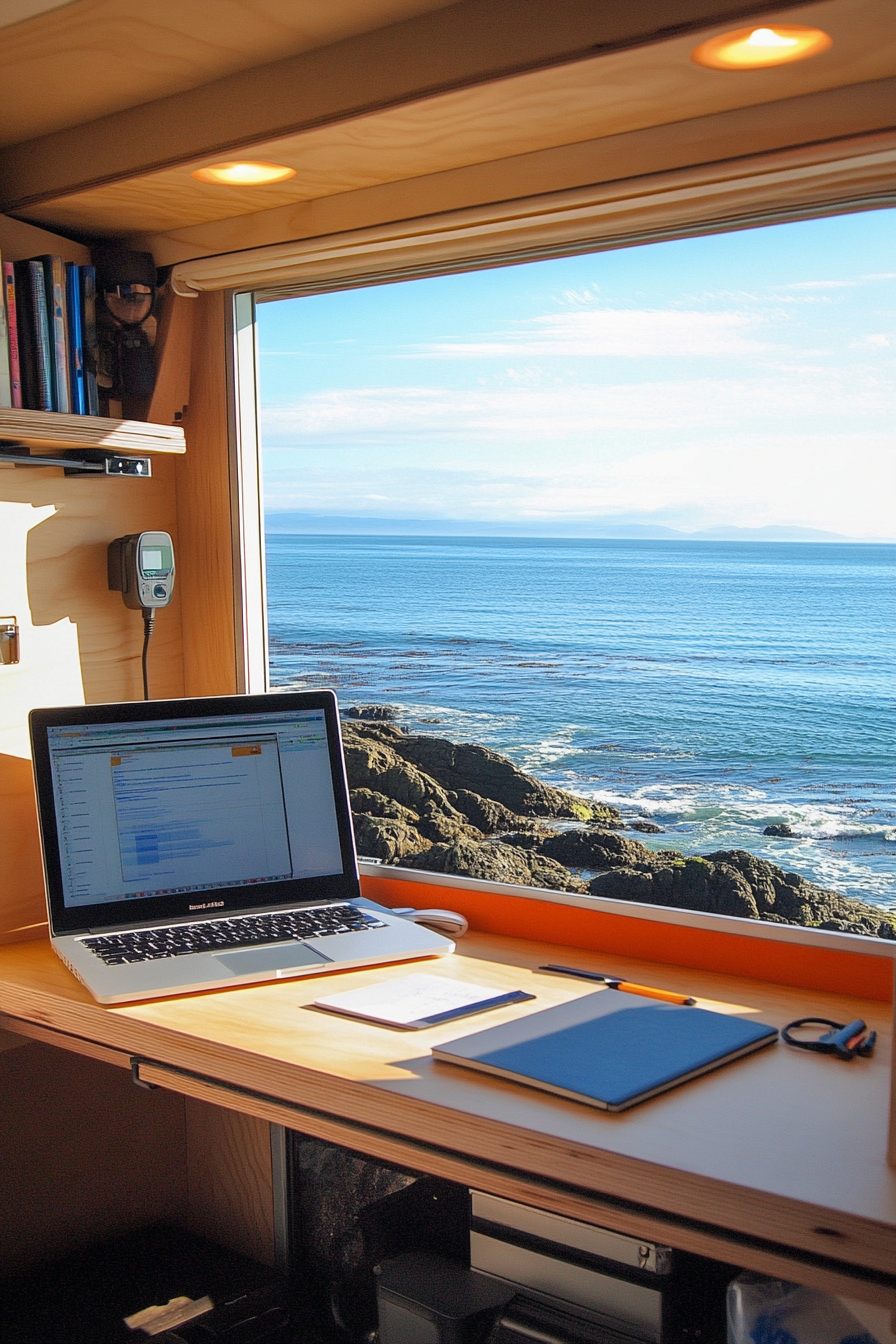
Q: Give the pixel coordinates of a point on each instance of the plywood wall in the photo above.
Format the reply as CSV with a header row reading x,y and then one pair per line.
x,y
116,1162
79,643
229,1194
123,1158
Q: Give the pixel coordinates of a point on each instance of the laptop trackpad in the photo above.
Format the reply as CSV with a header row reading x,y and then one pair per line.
x,y
282,957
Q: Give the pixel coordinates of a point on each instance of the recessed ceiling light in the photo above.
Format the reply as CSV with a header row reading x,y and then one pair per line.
x,y
243,174
753,48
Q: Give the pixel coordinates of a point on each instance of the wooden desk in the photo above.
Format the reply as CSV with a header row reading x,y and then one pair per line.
x,y
776,1163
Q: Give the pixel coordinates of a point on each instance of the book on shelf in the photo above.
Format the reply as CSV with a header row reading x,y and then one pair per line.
x,y
5,362
57,328
87,291
48,344
34,336
75,341
12,325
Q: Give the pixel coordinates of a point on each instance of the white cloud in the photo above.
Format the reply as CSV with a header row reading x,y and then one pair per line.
x,y
840,284
603,332
838,482
819,481
877,342
552,414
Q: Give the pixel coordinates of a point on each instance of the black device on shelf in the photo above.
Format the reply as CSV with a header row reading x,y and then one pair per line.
x,y
85,1297
364,1233
525,1320
350,1213
624,1285
425,1299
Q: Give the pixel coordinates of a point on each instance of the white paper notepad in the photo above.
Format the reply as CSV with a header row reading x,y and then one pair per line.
x,y
418,1001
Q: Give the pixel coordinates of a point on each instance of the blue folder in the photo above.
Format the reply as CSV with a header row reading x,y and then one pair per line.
x,y
609,1049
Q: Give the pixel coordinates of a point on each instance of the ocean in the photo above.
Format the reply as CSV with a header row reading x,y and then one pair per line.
x,y
712,688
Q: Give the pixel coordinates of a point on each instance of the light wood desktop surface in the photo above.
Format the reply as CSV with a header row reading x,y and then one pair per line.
x,y
782,1154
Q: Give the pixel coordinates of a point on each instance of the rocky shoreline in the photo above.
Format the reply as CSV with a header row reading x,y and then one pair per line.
x,y
428,803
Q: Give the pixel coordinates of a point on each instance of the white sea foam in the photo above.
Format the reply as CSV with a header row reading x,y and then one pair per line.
x,y
834,842
467,725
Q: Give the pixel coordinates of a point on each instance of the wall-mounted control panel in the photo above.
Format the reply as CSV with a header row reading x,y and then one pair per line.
x,y
141,568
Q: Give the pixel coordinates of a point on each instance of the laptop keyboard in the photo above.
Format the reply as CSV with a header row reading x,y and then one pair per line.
x,y
179,940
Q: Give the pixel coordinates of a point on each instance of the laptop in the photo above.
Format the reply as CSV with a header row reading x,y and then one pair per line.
x,y
202,844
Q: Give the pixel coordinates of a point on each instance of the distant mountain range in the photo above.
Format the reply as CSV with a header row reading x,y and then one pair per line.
x,y
596,528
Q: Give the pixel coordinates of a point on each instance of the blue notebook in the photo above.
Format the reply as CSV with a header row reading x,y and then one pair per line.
x,y
608,1049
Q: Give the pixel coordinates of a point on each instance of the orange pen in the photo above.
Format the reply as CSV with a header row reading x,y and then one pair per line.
x,y
614,982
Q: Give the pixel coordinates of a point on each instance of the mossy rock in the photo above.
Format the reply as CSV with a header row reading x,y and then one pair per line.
x,y
457,766
386,839
374,804
492,861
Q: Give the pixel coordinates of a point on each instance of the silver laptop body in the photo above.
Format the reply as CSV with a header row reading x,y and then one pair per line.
x,y
202,844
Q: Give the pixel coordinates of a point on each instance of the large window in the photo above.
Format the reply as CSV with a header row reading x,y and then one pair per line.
x,y
599,554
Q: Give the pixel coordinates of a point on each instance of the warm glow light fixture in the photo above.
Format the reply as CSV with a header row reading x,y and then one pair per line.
x,y
754,48
244,174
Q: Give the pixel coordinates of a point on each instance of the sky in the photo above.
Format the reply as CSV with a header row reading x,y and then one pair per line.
x,y
737,380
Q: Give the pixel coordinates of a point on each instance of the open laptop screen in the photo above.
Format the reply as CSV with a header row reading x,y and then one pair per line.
x,y
239,805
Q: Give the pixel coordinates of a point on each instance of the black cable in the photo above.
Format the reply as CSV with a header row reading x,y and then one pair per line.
x,y
845,1040
149,620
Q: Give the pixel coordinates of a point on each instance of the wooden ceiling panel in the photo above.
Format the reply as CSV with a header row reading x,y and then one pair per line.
x,y
605,96
464,44
95,57
816,120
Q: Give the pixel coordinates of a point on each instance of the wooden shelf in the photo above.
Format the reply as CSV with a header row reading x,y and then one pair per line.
x,y
47,430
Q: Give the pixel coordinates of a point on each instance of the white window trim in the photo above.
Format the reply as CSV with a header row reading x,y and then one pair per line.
x,y
246,498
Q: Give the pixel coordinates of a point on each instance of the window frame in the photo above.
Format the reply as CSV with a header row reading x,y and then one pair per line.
x,y
838,178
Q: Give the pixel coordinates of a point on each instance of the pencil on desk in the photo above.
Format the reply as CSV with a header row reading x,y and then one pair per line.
x,y
628,986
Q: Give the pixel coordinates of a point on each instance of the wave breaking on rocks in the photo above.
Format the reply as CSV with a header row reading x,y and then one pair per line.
x,y
455,807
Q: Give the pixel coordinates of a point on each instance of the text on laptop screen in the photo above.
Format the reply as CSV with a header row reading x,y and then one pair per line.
x,y
183,805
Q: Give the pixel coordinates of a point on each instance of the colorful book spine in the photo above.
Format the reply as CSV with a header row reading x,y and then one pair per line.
x,y
77,397
87,279
42,392
24,315
12,322
54,280
5,378
49,356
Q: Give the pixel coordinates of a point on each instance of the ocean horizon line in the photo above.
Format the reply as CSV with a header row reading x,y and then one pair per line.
x,y
294,523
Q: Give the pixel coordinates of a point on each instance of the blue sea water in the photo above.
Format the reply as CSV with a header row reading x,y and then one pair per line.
x,y
710,687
